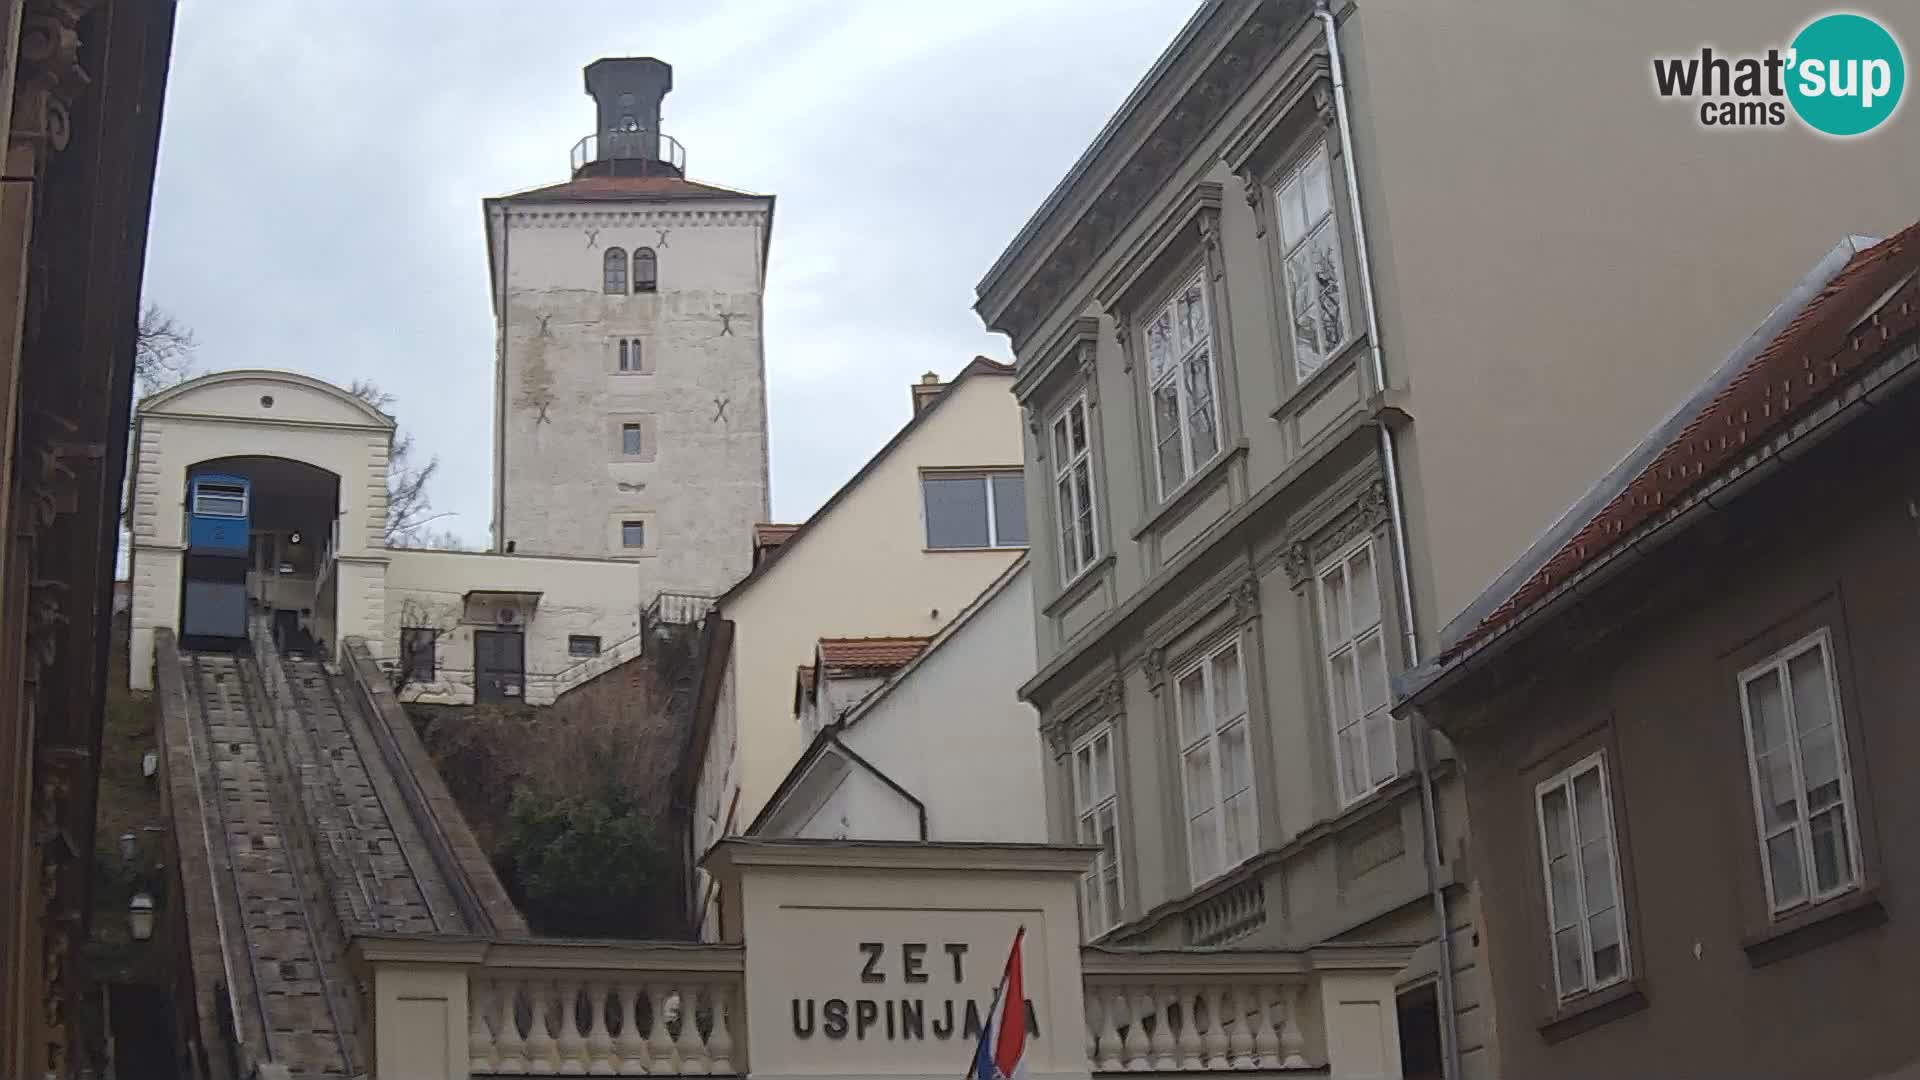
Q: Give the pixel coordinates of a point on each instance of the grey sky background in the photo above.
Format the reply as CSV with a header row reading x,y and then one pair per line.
x,y
322,164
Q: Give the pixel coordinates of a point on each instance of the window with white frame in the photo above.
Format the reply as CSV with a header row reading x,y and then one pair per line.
x,y
1310,259
1356,665
1216,763
1181,379
1096,808
975,509
1581,864
1073,488
1802,787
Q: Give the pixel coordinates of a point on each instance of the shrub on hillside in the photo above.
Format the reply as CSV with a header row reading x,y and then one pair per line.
x,y
588,865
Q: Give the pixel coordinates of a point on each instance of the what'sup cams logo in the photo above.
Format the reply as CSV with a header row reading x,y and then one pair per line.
x,y
1842,75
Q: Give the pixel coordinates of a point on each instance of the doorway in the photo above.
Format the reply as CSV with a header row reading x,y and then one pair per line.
x,y
499,665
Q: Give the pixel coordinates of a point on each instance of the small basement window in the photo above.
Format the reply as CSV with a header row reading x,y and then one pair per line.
x,y
583,645
633,534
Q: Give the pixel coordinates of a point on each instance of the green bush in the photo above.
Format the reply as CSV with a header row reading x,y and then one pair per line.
x,y
588,865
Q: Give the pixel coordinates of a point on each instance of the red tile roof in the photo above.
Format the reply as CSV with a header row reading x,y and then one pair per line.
x,y
870,653
1815,354
614,188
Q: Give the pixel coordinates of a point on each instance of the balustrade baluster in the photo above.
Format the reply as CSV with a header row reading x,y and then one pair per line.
x,y
720,1042
1266,1041
1138,1050
1293,1045
1218,1014
1188,1037
480,1008
632,1044
543,1054
507,1040
573,1048
1108,1058
1163,1044
659,1043
599,1040
693,1053
1240,1040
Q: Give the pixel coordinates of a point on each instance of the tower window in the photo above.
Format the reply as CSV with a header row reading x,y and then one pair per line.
x,y
633,534
629,349
646,270
614,269
630,439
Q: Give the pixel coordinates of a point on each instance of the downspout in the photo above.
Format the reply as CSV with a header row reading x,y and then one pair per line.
x,y
1403,578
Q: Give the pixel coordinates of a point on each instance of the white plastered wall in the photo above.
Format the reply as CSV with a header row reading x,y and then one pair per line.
x,y
592,597
265,414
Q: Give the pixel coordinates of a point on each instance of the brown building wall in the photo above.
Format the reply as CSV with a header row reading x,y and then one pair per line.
x,y
1648,673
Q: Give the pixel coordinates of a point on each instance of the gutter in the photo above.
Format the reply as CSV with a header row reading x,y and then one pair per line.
x,y
1396,512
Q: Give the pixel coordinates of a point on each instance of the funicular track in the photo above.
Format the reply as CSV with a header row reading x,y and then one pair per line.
x,y
305,1016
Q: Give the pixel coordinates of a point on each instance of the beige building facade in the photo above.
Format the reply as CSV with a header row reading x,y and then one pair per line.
x,y
1319,333
899,551
630,402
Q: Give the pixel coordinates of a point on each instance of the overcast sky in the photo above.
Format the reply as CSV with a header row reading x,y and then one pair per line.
x,y
322,165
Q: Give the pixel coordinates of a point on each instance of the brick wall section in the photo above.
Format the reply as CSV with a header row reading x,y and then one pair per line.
x,y
195,864
453,846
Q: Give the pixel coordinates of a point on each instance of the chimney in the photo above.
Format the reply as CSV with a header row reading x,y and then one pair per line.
x,y
627,92
924,391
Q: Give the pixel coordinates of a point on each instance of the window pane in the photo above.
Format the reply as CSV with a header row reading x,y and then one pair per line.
x,y
1766,712
1596,873
1820,767
1293,212
1778,804
1236,760
1241,842
1190,327
1832,857
1590,819
1603,930
1229,686
1566,957
1102,768
1203,846
1083,778
1316,187
1061,453
633,534
1329,288
1366,588
1302,306
1160,351
1070,560
1333,597
1556,823
1202,429
1812,701
1166,429
1077,421
1783,858
1083,495
1352,752
1010,509
614,266
956,511
1194,720
630,438
1110,896
1564,892
1373,672
1197,769
1340,681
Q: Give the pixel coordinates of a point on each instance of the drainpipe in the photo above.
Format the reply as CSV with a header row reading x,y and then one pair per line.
x,y
1403,579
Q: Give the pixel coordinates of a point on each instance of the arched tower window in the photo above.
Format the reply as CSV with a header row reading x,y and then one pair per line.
x,y
646,270
614,269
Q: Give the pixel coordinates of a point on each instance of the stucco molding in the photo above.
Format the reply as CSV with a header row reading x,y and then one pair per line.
x,y
1246,600
50,75
627,217
1154,666
1297,561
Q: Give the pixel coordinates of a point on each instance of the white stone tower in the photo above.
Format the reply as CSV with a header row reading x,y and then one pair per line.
x,y
630,411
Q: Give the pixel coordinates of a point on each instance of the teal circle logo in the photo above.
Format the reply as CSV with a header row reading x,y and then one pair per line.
x,y
1846,74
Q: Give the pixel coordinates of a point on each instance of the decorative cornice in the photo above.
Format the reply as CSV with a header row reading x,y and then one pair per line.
x,y
50,75
1150,167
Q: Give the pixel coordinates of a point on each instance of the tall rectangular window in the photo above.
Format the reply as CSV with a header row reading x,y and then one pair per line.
x,y
1310,257
1802,786
975,510
630,439
1096,808
1181,377
1581,865
1356,665
1216,763
1073,489
629,351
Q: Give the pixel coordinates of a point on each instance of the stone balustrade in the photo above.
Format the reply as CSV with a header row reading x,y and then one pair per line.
x,y
1164,1011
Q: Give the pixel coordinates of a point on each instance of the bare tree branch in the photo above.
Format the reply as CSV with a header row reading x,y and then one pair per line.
x,y
409,510
162,350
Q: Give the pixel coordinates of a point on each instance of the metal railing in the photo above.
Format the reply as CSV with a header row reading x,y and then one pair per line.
x,y
635,144
676,609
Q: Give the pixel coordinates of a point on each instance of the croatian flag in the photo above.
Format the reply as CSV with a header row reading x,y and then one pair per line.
x,y
1002,1053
